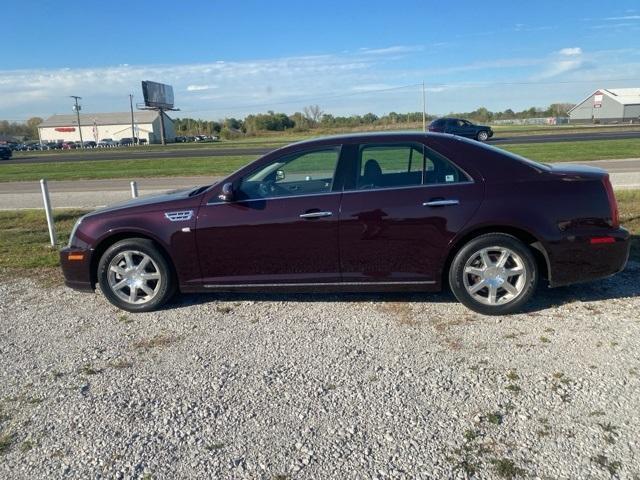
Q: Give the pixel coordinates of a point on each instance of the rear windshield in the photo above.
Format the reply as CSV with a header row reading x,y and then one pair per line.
x,y
531,163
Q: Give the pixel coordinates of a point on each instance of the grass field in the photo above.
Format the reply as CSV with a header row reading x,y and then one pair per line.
x,y
148,167
222,165
24,242
578,151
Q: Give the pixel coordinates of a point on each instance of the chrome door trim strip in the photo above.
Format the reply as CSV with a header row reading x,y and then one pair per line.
x,y
440,203
317,284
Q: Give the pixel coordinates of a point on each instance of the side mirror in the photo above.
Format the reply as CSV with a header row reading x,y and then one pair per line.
x,y
226,194
280,175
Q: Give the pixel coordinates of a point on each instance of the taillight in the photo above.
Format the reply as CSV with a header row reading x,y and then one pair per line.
x,y
613,203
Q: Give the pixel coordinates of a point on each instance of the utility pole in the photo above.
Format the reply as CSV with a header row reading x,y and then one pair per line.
x,y
133,129
77,109
424,109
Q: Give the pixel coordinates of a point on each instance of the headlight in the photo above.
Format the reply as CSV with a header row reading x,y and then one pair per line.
x,y
74,230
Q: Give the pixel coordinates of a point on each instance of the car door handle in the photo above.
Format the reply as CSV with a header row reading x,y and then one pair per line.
x,y
316,214
440,203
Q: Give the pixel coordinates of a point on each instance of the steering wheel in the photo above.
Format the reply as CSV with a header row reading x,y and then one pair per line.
x,y
269,188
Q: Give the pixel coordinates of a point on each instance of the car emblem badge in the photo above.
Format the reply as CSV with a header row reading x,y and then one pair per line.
x,y
181,216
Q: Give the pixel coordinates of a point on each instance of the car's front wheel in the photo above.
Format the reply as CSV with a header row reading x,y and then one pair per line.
x,y
493,274
135,276
482,136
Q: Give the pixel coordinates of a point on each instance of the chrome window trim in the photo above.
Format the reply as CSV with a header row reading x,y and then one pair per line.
x,y
319,284
221,202
428,185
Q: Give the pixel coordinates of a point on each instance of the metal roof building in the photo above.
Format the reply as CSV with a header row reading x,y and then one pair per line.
x,y
97,126
608,105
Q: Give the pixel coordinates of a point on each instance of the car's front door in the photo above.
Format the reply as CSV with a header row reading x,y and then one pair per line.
x,y
400,213
281,226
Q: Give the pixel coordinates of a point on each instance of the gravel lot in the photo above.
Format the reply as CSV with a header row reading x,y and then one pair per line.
x,y
319,387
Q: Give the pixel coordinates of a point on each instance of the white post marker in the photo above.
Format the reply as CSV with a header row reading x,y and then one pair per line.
x,y
134,189
48,212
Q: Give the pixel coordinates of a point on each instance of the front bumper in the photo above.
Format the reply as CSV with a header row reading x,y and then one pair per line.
x,y
575,259
76,267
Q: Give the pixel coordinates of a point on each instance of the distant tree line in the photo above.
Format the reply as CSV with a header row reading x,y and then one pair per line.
x,y
311,117
21,130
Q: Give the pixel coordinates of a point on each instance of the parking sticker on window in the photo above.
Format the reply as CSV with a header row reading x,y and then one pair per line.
x,y
448,178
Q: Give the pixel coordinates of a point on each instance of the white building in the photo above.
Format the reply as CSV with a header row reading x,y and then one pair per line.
x,y
608,105
96,126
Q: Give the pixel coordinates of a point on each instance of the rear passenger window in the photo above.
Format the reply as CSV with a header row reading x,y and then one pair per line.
x,y
404,165
388,166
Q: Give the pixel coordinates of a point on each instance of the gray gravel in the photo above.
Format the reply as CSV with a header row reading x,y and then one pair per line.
x,y
318,387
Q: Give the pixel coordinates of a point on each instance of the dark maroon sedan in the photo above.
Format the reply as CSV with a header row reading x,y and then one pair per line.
x,y
374,212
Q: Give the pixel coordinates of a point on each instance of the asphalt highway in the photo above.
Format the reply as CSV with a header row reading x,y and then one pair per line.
x,y
213,151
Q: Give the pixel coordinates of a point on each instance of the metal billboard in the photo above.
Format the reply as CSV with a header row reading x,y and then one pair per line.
x,y
157,95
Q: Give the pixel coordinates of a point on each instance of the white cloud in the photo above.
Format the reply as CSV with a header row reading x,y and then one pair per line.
x,y
199,88
571,51
626,17
342,83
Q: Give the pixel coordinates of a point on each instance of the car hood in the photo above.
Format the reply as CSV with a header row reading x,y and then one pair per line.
x,y
146,201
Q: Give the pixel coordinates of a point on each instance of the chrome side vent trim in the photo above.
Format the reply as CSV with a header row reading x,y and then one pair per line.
x,y
181,216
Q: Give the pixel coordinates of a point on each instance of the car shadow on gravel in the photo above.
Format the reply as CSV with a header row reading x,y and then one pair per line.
x,y
624,284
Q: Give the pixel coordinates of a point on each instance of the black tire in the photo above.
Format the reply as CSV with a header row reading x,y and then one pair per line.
x,y
163,288
507,302
482,136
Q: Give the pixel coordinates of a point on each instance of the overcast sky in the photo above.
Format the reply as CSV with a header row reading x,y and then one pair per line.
x,y
234,58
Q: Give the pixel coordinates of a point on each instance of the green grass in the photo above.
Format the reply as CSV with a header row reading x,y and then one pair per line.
x,y
24,241
148,167
577,151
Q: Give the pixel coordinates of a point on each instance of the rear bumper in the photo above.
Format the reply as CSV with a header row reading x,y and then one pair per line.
x,y
77,272
575,259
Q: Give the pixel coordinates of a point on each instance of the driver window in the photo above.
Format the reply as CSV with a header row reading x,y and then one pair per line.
x,y
306,173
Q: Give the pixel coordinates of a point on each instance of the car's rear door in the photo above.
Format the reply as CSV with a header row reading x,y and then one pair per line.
x,y
281,228
396,226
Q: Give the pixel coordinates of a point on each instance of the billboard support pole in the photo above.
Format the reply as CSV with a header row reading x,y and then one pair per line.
x,y
162,137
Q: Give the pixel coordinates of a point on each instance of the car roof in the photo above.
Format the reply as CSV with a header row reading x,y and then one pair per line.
x,y
367,136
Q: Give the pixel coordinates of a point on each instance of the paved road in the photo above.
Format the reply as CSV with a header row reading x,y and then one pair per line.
x,y
176,152
95,193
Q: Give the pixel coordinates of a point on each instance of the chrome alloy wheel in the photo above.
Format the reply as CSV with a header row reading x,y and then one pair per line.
x,y
495,275
134,277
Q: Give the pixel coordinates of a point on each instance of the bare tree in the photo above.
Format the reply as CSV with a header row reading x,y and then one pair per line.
x,y
313,113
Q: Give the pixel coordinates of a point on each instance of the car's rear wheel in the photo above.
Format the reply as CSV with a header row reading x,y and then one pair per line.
x,y
135,276
493,274
482,136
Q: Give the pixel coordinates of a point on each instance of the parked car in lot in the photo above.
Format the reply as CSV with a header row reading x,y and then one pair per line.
x,y
52,146
462,128
107,142
70,145
397,211
90,144
124,142
5,152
